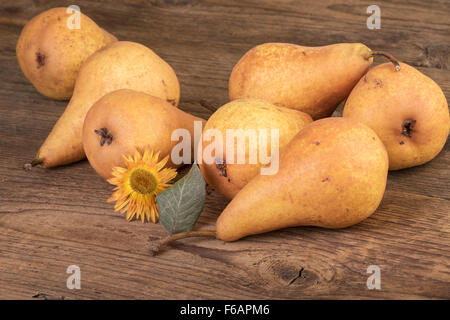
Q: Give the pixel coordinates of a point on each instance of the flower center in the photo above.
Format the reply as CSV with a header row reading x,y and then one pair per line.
x,y
143,181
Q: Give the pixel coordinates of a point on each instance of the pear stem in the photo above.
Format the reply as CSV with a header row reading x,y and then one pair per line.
x,y
387,55
182,235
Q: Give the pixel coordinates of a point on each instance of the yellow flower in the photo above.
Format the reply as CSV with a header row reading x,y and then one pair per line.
x,y
138,184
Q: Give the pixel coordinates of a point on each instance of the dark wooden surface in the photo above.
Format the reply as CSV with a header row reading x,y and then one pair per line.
x,y
50,219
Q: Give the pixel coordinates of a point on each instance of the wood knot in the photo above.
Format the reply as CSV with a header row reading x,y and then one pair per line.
x,y
105,136
222,167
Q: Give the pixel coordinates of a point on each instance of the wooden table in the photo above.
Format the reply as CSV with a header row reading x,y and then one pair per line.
x,y
50,219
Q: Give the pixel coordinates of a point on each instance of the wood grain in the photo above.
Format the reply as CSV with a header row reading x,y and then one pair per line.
x,y
50,219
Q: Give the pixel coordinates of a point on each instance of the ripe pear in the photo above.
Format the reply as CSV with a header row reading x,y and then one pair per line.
x,y
228,176
121,65
124,121
332,174
50,53
406,109
310,79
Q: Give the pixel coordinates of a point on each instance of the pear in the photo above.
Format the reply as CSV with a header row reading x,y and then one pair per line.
x,y
407,110
228,177
124,121
332,174
50,53
310,79
121,65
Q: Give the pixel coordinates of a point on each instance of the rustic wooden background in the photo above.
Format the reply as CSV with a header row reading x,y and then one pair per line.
x,y
50,219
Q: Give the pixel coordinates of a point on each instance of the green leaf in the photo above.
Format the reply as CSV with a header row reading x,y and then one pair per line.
x,y
181,205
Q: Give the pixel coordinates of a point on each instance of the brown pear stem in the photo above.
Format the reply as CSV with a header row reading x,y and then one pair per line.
x,y
105,136
182,235
36,162
387,55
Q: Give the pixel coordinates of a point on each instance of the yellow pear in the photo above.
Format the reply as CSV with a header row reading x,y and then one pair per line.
x,y
407,110
332,174
310,79
124,121
121,65
50,53
250,116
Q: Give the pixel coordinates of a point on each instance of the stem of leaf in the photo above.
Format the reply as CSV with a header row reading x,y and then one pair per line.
x,y
182,235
